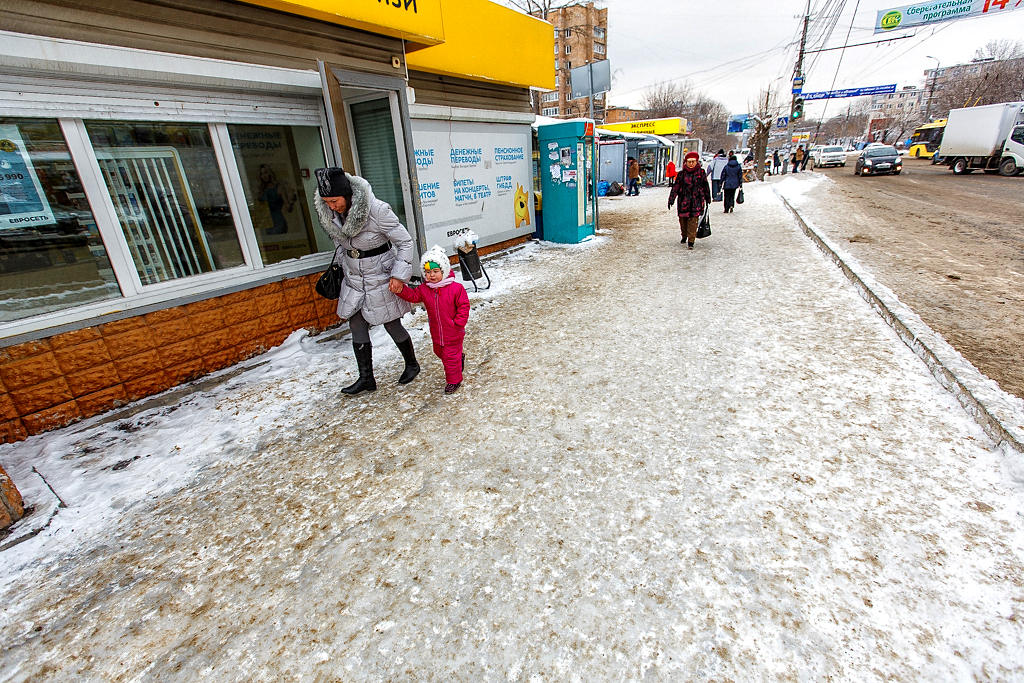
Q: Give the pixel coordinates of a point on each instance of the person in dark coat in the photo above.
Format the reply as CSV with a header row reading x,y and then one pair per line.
x,y
375,250
732,180
776,163
691,194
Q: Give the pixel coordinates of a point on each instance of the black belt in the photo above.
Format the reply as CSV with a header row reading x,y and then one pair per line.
x,y
376,251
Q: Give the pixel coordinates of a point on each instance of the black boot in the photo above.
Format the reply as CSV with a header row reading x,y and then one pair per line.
x,y
364,361
412,368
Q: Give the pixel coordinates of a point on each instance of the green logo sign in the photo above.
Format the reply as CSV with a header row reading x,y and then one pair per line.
x,y
891,20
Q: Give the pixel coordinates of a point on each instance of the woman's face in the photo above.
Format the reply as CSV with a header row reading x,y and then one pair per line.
x,y
265,174
336,204
691,163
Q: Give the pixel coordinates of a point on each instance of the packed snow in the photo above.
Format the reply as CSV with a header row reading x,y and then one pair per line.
x,y
663,465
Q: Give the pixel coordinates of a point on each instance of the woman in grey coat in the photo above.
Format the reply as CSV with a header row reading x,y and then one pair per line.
x,y
374,249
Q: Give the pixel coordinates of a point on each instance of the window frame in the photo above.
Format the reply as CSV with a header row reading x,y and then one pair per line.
x,y
216,109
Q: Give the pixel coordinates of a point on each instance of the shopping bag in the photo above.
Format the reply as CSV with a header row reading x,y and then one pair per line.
x,y
704,226
739,196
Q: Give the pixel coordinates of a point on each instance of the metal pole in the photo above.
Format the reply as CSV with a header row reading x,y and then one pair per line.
x,y
590,75
798,72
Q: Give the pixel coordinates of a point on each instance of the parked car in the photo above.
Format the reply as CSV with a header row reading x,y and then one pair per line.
x,y
879,160
828,155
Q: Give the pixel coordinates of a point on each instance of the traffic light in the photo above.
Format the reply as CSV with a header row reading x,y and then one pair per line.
x,y
798,108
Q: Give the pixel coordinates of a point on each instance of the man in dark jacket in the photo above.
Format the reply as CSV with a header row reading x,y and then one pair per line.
x,y
691,189
732,180
714,171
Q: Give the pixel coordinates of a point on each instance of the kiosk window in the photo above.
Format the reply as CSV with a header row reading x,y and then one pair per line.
x,y
166,187
276,164
51,254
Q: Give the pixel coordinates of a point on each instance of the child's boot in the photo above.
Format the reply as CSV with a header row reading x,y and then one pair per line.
x,y
412,368
364,361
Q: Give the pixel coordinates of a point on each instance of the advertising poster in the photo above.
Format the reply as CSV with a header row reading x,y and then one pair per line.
x,y
924,13
473,176
22,201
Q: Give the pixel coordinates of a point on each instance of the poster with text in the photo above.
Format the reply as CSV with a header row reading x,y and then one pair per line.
x,y
473,176
23,203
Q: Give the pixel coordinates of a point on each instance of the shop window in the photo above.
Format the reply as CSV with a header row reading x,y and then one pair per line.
x,y
166,187
51,254
276,164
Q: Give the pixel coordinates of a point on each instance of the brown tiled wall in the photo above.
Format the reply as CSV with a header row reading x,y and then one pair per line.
x,y
11,506
48,383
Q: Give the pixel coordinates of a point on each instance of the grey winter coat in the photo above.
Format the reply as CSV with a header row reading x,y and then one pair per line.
x,y
716,167
369,223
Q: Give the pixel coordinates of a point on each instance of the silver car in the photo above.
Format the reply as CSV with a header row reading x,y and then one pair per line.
x,y
830,156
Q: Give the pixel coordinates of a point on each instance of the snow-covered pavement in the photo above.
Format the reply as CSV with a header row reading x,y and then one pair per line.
x,y
664,465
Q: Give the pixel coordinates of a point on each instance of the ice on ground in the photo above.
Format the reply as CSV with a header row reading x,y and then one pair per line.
x,y
663,465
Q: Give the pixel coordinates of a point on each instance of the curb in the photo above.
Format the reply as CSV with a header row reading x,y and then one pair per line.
x,y
1001,415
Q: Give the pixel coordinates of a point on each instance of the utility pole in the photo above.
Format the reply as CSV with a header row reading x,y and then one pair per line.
x,y
798,72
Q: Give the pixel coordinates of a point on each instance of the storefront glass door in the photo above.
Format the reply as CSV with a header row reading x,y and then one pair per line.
x,y
374,133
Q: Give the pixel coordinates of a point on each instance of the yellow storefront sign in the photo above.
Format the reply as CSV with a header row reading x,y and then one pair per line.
x,y
669,126
414,20
487,42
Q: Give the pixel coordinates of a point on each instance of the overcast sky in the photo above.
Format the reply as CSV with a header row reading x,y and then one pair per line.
x,y
731,49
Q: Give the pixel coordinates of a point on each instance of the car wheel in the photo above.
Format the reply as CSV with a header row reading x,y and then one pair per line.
x,y
1008,167
959,166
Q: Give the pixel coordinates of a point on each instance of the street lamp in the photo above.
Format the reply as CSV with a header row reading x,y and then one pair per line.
x,y
931,93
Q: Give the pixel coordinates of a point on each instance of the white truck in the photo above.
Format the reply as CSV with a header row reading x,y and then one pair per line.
x,y
990,138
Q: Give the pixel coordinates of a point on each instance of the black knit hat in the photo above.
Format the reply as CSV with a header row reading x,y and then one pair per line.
x,y
331,182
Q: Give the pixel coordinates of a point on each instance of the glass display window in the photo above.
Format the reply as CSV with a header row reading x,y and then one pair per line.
x,y
51,254
277,165
166,187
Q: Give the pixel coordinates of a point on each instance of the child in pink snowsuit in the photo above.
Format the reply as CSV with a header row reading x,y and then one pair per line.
x,y
447,307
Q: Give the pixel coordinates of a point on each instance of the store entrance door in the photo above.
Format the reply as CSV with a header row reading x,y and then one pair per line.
x,y
368,117
376,151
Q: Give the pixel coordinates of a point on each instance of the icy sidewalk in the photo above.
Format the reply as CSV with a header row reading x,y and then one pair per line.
x,y
664,465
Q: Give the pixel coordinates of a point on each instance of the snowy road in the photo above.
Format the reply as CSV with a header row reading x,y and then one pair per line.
x,y
664,466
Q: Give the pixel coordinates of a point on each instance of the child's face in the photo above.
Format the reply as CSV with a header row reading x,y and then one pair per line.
x,y
433,276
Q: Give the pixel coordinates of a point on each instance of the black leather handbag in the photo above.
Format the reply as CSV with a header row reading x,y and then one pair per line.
x,y
739,196
704,227
329,284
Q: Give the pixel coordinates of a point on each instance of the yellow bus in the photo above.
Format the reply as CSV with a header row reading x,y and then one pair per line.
x,y
926,139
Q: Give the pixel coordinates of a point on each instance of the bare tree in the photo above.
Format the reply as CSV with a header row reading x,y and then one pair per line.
x,y
995,75
765,109
848,125
708,118
542,8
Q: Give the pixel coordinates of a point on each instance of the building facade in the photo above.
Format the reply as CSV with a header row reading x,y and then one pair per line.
x,y
158,220
581,37
623,114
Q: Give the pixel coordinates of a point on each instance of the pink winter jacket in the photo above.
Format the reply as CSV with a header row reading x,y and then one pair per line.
x,y
447,309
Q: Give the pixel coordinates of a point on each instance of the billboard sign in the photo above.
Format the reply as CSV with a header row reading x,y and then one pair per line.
x,y
850,92
474,176
669,126
738,123
924,13
580,79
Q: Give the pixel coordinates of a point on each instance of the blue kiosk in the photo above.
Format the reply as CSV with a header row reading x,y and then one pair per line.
x,y
568,180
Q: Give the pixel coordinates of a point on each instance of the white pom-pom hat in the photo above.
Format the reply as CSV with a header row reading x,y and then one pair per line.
x,y
437,255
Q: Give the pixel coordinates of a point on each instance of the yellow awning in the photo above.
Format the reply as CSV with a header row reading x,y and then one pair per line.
x,y
487,42
415,20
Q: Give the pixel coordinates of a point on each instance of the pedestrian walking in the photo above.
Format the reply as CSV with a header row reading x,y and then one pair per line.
x,y
732,180
376,252
670,172
714,172
634,178
691,195
776,163
807,158
798,158
447,307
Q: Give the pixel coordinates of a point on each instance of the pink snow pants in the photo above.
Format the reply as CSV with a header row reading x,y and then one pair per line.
x,y
451,358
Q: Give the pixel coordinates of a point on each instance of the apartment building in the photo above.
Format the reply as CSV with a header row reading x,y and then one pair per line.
x,y
581,37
